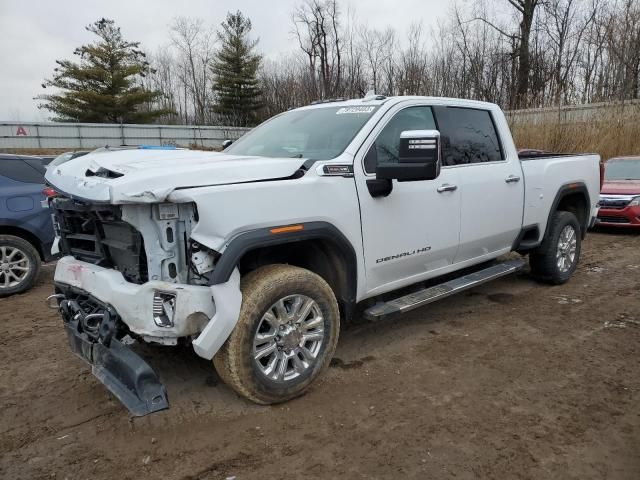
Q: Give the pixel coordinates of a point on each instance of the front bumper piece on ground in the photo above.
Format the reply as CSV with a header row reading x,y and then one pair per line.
x,y
122,371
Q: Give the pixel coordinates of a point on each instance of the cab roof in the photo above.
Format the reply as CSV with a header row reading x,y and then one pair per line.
x,y
377,100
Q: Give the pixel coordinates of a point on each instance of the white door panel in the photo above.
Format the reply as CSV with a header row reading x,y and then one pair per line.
x,y
415,229
491,208
491,185
411,232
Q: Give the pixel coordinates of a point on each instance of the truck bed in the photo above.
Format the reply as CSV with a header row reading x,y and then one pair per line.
x,y
536,155
549,175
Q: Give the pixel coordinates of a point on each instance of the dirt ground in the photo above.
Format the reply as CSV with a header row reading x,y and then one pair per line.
x,y
510,380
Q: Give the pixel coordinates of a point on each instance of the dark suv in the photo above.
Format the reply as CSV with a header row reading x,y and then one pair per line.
x,y
26,230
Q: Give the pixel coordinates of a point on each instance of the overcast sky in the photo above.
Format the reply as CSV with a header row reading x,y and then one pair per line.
x,y
34,33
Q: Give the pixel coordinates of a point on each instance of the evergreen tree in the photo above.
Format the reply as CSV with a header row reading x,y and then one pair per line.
x,y
105,85
235,73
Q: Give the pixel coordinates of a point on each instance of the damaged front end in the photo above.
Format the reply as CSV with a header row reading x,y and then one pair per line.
x,y
111,286
96,334
132,265
134,272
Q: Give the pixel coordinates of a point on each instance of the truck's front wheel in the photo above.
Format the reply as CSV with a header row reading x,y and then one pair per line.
x,y
555,260
285,337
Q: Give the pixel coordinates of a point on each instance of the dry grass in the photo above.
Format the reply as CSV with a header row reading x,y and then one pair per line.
x,y
607,138
195,146
37,151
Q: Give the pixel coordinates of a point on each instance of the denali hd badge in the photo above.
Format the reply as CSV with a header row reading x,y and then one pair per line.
x,y
404,254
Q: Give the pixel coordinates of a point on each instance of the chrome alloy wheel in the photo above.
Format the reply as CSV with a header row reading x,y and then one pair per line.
x,y
14,266
289,338
566,252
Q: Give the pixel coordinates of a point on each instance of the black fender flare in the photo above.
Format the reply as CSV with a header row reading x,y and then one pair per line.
x,y
565,190
279,235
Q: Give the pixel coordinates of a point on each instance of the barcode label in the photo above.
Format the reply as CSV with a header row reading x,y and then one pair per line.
x,y
346,110
168,211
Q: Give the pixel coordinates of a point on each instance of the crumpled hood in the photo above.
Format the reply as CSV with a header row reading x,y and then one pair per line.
x,y
149,176
621,187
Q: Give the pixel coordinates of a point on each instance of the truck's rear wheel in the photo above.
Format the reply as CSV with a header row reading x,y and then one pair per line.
x,y
556,259
19,265
285,337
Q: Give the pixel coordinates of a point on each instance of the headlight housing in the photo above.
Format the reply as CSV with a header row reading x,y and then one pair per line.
x,y
635,202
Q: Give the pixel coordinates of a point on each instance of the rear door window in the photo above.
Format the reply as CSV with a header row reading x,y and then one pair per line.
x,y
19,170
468,136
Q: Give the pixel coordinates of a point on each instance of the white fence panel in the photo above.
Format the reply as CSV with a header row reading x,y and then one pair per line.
x,y
610,111
95,135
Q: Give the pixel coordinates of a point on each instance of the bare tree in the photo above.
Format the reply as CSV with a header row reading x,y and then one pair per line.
x,y
566,22
163,79
517,53
525,11
194,44
413,62
624,46
375,49
317,28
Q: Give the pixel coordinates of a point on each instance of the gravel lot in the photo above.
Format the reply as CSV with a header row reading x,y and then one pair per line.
x,y
510,380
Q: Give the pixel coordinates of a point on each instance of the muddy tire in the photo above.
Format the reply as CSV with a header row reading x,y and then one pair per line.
x,y
556,259
19,265
285,337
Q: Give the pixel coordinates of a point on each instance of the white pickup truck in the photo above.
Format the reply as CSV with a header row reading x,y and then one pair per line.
x,y
256,254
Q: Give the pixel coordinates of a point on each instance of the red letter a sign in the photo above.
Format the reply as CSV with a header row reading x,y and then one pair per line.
x,y
21,131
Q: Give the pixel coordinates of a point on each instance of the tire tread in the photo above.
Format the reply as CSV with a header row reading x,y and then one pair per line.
x,y
232,364
543,260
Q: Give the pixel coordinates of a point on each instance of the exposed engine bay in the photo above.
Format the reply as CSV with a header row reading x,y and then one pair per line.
x,y
143,242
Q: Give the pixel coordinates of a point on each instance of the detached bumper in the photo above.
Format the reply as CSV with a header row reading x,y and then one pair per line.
x,y
123,372
135,303
207,315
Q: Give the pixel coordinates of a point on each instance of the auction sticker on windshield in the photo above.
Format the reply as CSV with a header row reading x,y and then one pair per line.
x,y
344,110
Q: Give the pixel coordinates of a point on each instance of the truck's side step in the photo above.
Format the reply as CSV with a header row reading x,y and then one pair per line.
x,y
428,295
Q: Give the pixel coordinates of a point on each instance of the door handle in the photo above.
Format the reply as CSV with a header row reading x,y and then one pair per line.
x,y
512,179
447,188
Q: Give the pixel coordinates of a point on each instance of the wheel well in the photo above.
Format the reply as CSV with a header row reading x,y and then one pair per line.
x,y
320,256
577,204
28,236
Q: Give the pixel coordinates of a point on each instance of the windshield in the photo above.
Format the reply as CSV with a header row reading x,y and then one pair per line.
x,y
60,159
315,133
627,169
65,157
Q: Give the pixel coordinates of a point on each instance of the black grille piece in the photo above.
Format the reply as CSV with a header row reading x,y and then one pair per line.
x,y
610,219
87,310
96,233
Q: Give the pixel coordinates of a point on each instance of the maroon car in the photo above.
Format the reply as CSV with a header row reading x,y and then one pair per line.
x,y
620,193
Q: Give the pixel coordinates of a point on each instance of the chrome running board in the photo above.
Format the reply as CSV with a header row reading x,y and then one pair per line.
x,y
414,300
